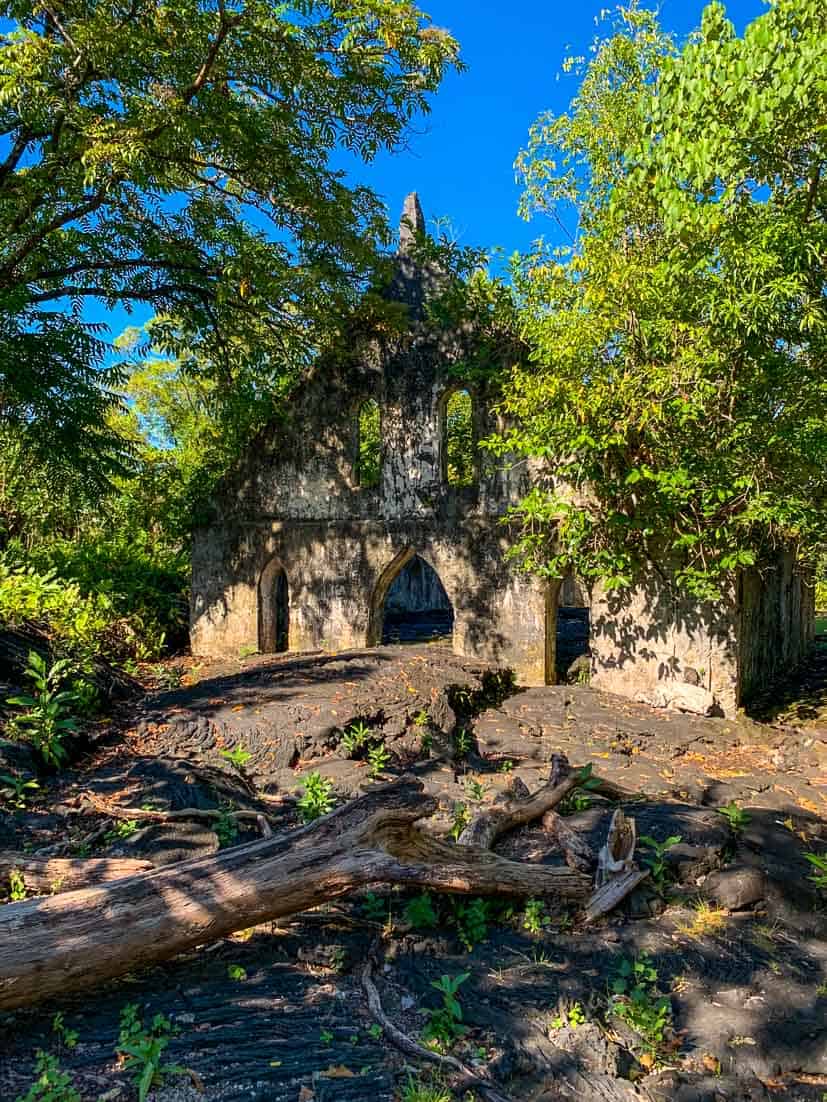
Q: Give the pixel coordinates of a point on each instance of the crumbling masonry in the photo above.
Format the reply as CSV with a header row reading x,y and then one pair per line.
x,y
300,555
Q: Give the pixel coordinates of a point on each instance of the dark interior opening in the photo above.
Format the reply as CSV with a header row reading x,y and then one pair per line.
x,y
573,632
417,607
274,611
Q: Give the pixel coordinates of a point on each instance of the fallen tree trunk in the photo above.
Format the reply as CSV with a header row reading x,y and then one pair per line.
x,y
60,874
63,943
573,846
485,828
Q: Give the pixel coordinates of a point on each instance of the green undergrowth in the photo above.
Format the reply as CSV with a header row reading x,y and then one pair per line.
x,y
114,599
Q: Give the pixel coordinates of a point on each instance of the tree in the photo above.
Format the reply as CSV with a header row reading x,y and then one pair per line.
x,y
177,155
677,395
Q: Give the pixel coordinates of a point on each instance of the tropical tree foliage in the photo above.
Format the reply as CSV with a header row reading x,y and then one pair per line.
x,y
177,156
677,395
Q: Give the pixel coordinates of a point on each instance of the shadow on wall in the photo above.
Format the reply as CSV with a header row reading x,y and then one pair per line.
x,y
644,622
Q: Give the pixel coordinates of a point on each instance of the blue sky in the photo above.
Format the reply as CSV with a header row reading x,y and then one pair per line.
x,y
460,158
461,161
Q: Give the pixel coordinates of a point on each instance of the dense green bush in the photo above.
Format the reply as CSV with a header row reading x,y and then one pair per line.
x,y
107,597
136,577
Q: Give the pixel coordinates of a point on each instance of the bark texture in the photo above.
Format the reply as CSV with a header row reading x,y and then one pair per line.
x,y
78,939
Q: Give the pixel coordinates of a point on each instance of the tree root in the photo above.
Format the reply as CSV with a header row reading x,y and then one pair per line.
x,y
407,1045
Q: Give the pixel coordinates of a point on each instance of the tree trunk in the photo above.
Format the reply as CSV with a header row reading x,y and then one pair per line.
x,y
60,874
63,943
485,828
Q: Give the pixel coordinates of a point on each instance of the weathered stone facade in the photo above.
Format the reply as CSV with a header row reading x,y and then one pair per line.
x,y
299,554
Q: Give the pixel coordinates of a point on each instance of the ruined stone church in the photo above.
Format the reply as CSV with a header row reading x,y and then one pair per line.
x,y
304,551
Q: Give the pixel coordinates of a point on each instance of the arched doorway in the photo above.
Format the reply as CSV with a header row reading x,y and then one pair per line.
x,y
568,631
273,609
410,604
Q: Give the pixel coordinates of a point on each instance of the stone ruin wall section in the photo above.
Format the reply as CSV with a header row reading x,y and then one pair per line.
x,y
296,498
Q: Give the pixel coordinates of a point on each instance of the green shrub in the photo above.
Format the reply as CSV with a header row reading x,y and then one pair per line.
x,y
114,597
46,719
317,799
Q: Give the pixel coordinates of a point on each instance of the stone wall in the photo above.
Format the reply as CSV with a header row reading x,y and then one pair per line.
x,y
647,643
338,575
295,503
777,623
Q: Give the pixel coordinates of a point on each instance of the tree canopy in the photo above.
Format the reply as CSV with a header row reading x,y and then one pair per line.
x,y
178,156
677,393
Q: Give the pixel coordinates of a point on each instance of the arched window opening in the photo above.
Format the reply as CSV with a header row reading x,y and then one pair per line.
x,y
273,609
369,453
568,628
459,443
410,604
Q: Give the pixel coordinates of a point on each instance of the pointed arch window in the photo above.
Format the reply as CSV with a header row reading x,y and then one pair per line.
x,y
459,444
369,445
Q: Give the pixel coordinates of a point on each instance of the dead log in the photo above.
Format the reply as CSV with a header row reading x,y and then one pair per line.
x,y
617,873
56,874
485,828
63,943
574,847
210,814
618,854
613,892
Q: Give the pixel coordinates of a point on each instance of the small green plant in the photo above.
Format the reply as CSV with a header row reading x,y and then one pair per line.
x,y
246,651
819,863
378,758
236,973
579,799
471,921
65,1036
421,719
168,677
15,789
444,1025
87,698
505,766
326,1037
459,820
226,828
52,1084
637,1002
237,757
141,1050
572,1017
655,860
474,790
374,907
355,738
736,817
317,799
375,1031
417,1091
123,829
17,886
462,743
535,917
420,912
47,717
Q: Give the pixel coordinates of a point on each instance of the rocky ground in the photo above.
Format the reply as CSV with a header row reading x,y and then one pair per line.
x,y
729,933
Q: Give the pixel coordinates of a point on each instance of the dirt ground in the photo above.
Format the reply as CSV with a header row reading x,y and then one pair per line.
x,y
732,927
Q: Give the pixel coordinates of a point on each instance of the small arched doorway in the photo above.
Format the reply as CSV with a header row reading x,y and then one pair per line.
x,y
273,609
410,604
568,632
